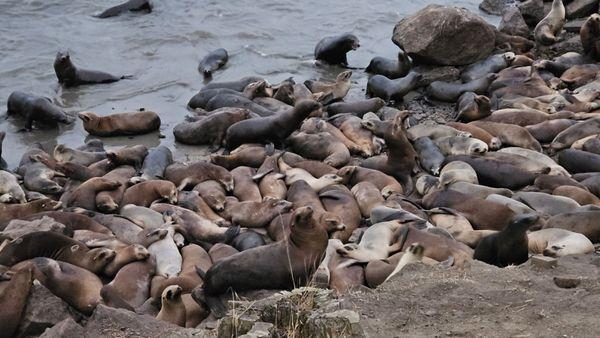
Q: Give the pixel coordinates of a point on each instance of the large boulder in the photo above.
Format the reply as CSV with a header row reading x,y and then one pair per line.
x,y
512,23
532,11
43,310
17,228
581,8
445,35
496,7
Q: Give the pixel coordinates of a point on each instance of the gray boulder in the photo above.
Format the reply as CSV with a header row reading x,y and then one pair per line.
x,y
512,23
496,7
17,228
532,11
581,8
66,328
43,310
445,35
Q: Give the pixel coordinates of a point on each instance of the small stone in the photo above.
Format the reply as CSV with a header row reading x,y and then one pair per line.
x,y
544,261
567,282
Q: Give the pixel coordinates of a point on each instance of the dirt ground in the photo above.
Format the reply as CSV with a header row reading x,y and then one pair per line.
x,y
484,301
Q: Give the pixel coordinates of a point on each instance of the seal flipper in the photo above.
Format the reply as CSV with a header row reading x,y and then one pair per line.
x,y
231,233
217,304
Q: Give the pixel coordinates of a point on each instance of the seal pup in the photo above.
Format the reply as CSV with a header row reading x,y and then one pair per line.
x,y
120,124
413,254
131,5
34,108
392,69
213,61
172,308
555,242
333,49
70,76
509,246
336,90
546,31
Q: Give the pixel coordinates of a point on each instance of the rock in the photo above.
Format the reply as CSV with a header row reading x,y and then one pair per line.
x,y
581,8
17,228
431,73
532,11
341,323
496,7
111,322
567,282
574,26
544,261
233,326
260,330
444,35
512,23
66,328
43,310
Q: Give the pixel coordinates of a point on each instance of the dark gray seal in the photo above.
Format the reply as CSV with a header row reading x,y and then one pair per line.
x,y
210,129
430,156
386,89
333,49
70,76
213,61
36,109
392,69
238,85
3,164
131,5
231,100
357,108
450,92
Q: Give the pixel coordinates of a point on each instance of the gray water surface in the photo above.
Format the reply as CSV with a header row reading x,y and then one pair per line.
x,y
273,39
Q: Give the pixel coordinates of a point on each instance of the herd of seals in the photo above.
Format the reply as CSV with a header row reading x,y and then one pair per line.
x,y
308,188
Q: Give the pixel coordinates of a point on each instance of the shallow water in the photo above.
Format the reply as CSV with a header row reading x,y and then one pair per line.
x,y
273,39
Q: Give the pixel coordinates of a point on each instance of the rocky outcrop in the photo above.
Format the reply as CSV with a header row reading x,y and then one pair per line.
x,y
496,7
444,35
43,310
18,228
581,8
512,23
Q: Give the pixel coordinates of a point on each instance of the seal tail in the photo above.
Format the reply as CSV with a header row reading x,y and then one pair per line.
x,y
231,233
200,272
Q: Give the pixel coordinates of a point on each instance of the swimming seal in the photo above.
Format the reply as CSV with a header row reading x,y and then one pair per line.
x,y
70,76
547,30
392,69
386,89
333,49
509,246
120,124
37,109
289,263
131,5
213,61
269,129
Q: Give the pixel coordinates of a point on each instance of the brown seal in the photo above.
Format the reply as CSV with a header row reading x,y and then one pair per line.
x,y
131,155
124,256
53,245
339,200
471,107
172,308
496,174
510,134
367,197
316,125
583,222
288,263
110,201
9,212
546,131
130,286
385,183
333,91
482,214
582,196
143,194
352,127
213,194
590,35
13,299
183,175
84,195
525,116
245,189
62,154
245,155
220,251
478,133
72,220
546,31
256,214
78,287
120,124
210,129
270,129
320,146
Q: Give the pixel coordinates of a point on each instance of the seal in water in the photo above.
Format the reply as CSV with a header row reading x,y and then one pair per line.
x,y
36,109
213,61
131,5
71,76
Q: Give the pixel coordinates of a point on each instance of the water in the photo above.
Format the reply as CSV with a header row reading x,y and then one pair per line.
x,y
273,39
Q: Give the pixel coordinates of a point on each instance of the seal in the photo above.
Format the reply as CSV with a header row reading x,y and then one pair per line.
x,y
10,190
509,246
293,175
238,85
377,242
120,124
352,127
336,90
9,212
13,300
320,146
130,5
237,101
256,214
339,200
53,245
581,196
166,254
534,156
357,108
386,89
450,92
3,164
492,142
210,129
555,242
333,273
496,174
546,204
269,129
110,201
245,189
172,308
433,131
213,61
460,145
493,64
546,131
247,240
62,153
70,76
579,161
72,221
333,49
124,256
590,35
429,155
367,197
128,156
155,163
575,132
316,125
74,170
547,30
36,109
413,254
471,107
213,193
197,172
78,287
510,134
143,194
248,155
525,116
457,225
385,183
392,69
131,285
289,263
84,195
583,222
